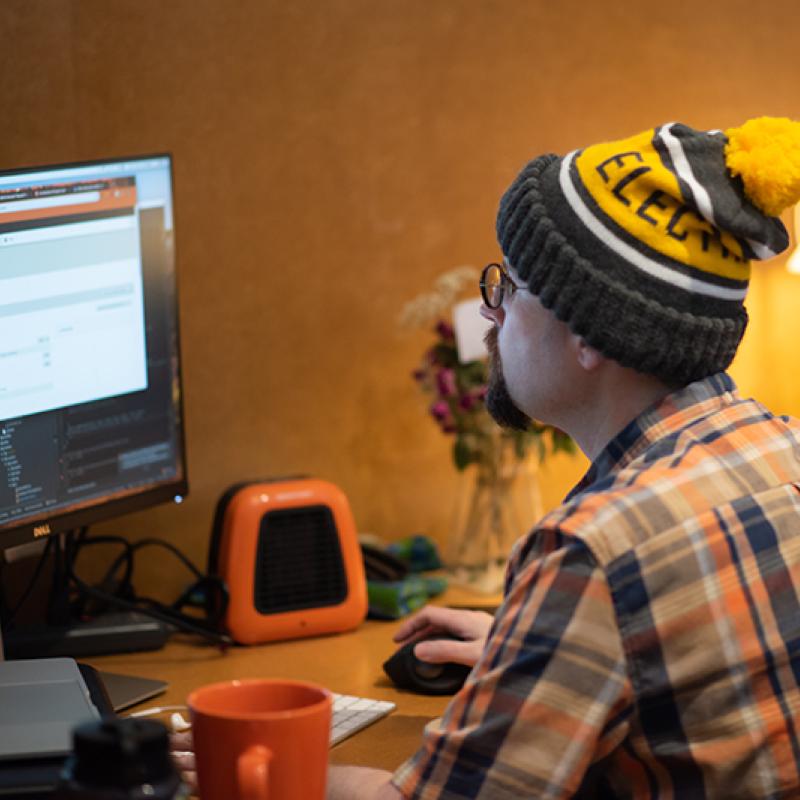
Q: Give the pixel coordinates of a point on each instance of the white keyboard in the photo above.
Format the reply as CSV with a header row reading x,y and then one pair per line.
x,y
351,714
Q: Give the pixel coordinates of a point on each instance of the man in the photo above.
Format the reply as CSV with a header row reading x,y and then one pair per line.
x,y
648,644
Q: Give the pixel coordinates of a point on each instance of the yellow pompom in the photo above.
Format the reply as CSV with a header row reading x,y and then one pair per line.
x,y
765,152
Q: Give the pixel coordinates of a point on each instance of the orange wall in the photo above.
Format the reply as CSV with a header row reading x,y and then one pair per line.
x,y
332,158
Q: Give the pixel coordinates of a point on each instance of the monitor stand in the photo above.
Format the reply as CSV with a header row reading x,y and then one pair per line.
x,y
115,631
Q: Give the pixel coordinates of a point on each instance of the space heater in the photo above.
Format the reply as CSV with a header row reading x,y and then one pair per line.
x,y
288,551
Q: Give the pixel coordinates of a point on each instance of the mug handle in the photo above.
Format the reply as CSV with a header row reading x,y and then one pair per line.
x,y
252,773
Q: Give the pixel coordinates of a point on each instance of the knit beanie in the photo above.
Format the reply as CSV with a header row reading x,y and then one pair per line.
x,y
643,245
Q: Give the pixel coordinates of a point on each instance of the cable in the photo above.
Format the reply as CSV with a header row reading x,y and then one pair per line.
x,y
126,556
125,587
210,588
31,583
174,550
153,608
182,622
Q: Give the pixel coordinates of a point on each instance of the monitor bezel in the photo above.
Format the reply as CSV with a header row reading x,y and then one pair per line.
x,y
44,525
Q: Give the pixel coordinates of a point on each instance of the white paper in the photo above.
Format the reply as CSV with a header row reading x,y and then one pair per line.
x,y
470,328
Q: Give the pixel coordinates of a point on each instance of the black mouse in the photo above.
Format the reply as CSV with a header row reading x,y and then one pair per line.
x,y
409,672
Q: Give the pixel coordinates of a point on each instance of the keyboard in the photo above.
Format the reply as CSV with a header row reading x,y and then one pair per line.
x,y
352,714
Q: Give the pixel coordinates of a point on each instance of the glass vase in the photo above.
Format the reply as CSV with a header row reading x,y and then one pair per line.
x,y
499,503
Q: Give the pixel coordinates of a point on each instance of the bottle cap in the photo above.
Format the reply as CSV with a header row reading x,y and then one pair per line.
x,y
121,753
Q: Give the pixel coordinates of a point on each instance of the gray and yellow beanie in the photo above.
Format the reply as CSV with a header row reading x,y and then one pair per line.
x,y
643,245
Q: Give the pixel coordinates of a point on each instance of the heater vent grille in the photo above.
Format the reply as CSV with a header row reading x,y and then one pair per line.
x,y
299,562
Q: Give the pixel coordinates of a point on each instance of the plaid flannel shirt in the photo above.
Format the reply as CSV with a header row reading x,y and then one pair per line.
x,y
648,644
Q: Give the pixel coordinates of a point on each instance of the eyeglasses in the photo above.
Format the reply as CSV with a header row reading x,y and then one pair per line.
x,y
495,282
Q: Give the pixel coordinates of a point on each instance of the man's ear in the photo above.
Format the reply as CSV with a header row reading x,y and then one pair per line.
x,y
587,357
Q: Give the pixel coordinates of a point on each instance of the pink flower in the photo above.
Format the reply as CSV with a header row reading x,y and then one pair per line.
x,y
431,357
445,330
472,399
446,382
440,411
468,401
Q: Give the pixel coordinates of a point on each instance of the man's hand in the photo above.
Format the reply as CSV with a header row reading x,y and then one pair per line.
x,y
183,757
344,783
360,783
472,627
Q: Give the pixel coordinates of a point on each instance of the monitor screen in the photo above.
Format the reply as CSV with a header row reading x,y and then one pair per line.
x,y
90,391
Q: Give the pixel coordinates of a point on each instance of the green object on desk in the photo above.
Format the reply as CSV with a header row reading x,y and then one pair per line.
x,y
418,551
396,599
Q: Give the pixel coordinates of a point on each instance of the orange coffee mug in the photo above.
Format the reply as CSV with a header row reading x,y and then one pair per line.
x,y
260,739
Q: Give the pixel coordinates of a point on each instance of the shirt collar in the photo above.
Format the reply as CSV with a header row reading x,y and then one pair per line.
x,y
673,412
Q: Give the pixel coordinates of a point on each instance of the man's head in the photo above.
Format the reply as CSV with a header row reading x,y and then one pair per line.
x,y
537,367
642,247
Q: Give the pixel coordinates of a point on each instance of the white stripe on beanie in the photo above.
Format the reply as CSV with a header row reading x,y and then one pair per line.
x,y
631,254
683,170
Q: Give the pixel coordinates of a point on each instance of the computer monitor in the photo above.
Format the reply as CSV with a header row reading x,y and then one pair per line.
x,y
91,423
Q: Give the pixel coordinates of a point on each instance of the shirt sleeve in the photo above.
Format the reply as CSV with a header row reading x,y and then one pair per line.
x,y
549,698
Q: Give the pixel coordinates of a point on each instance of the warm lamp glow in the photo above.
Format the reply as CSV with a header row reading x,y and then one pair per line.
x,y
793,264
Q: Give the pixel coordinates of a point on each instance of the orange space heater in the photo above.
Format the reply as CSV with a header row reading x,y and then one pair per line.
x,y
289,553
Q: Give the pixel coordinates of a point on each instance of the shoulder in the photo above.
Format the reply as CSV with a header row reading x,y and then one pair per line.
x,y
677,479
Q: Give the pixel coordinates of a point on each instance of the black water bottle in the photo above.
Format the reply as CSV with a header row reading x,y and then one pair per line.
x,y
121,759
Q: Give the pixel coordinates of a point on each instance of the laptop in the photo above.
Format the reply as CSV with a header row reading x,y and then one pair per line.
x,y
41,701
125,691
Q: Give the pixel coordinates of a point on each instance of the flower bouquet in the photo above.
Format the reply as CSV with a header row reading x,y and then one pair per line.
x,y
459,391
479,543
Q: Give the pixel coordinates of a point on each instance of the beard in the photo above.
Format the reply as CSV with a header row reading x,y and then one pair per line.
x,y
498,400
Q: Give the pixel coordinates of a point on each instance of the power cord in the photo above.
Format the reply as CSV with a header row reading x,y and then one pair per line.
x,y
207,591
8,618
69,593
171,615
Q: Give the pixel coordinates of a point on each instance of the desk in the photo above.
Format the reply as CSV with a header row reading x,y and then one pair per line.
x,y
348,663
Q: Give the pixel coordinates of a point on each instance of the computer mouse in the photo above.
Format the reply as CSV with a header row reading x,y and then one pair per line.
x,y
409,672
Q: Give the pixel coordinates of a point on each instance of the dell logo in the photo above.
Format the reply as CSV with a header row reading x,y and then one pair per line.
x,y
42,530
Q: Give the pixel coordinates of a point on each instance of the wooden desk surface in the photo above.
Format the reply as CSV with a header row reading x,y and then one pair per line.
x,y
348,663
